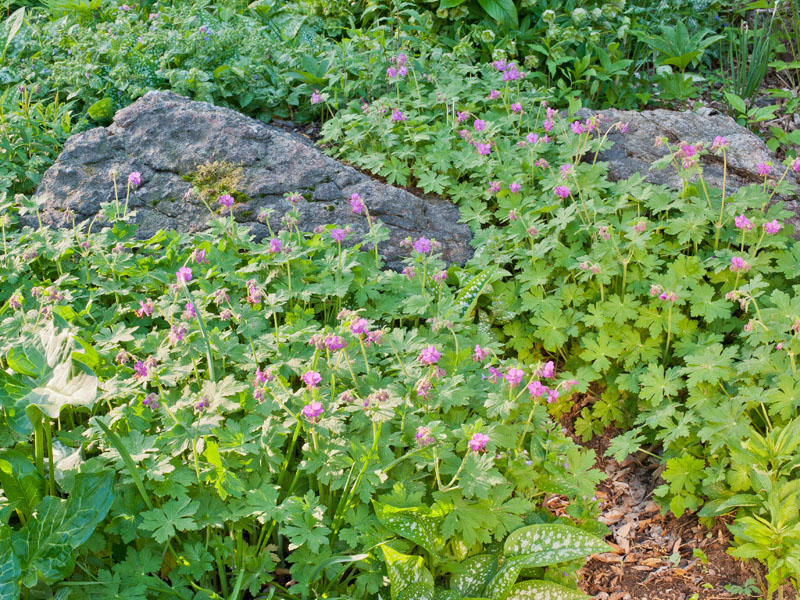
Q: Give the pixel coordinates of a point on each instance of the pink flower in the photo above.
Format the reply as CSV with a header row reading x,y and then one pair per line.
x,y
409,272
516,107
566,171
494,187
275,246
763,169
334,343
479,124
311,379
398,116
480,354
532,138
188,311
422,245
478,442
796,165
135,179
548,369
688,150
536,389
355,203
424,436
772,227
359,326
440,276
494,375
514,188
743,222
199,256
151,401
424,387
140,369
514,377
577,127
461,116
184,275
542,163
719,143
176,334
312,412
391,72
338,234
483,149
374,337
493,95
262,377
738,264
316,98
146,308
429,356
511,73
500,65
548,125
562,191
640,227
226,200
623,128
253,293
552,396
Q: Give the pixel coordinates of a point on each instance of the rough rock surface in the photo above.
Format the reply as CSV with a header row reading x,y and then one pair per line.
x,y
634,151
166,137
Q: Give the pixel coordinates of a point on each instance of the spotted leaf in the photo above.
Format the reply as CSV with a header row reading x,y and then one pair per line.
x,y
473,575
542,590
550,543
411,524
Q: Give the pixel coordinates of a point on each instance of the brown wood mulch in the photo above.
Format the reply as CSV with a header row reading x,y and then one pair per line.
x,y
652,555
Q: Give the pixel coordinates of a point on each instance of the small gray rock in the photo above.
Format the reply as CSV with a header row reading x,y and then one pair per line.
x,y
166,137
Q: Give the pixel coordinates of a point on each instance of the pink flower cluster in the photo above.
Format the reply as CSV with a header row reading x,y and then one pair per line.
x,y
311,379
429,355
739,264
312,412
743,223
355,203
398,67
478,441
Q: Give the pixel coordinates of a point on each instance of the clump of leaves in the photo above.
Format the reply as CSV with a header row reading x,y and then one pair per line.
x,y
268,412
678,306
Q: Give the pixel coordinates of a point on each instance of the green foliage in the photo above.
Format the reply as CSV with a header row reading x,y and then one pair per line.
x,y
494,576
231,469
629,287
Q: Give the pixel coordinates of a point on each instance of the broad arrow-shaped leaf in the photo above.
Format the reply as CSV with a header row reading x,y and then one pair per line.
x,y
9,567
47,544
22,484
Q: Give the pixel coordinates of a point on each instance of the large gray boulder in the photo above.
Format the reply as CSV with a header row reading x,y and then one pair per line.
x,y
635,150
166,137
